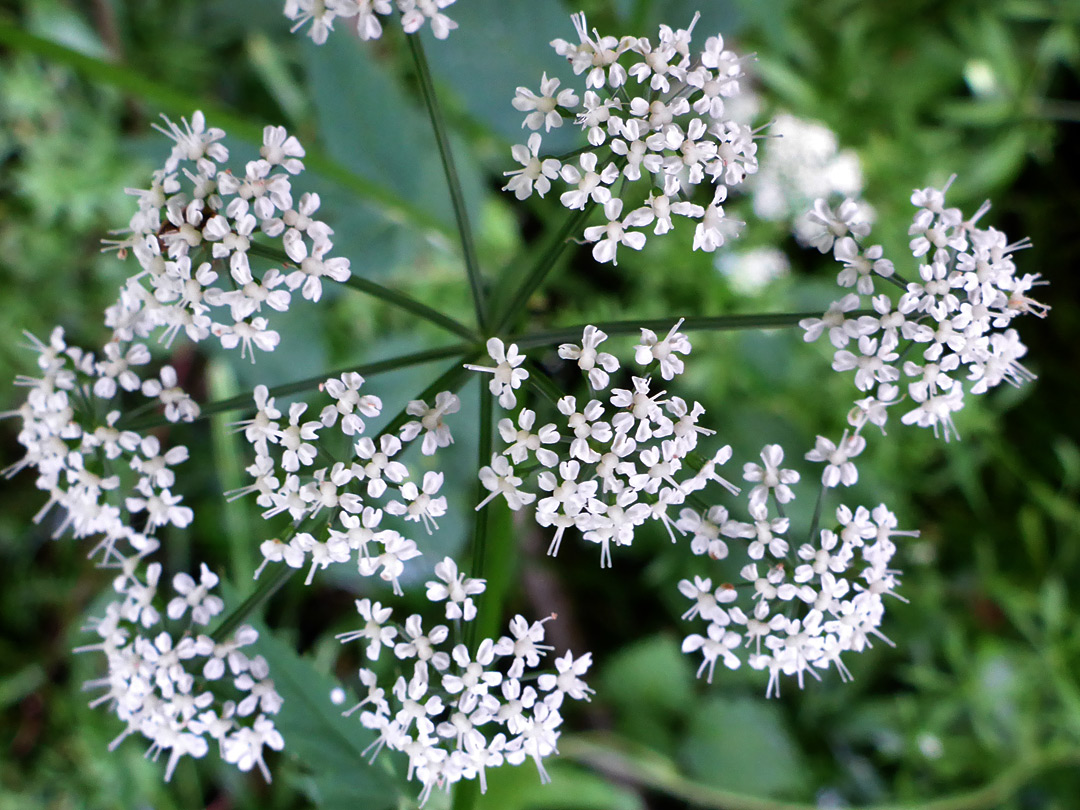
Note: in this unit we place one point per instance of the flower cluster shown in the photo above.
(801, 608)
(955, 318)
(652, 112)
(608, 468)
(364, 15)
(460, 711)
(106, 481)
(294, 472)
(625, 458)
(165, 680)
(194, 220)
(198, 220)
(115, 483)
(751, 271)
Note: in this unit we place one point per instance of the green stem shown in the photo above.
(226, 451)
(715, 323)
(539, 381)
(394, 297)
(538, 272)
(176, 102)
(612, 757)
(244, 401)
(895, 280)
(482, 525)
(403, 301)
(268, 586)
(817, 513)
(450, 380)
(453, 181)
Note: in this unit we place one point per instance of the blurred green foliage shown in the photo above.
(982, 686)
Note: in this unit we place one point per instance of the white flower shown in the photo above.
(499, 479)
(295, 439)
(597, 365)
(203, 605)
(860, 264)
(718, 643)
(250, 335)
(244, 748)
(770, 478)
(714, 227)
(436, 432)
(542, 110)
(568, 680)
(321, 14)
(376, 465)
(414, 13)
(536, 173)
(840, 469)
(508, 375)
(590, 183)
(313, 266)
(663, 351)
(834, 225)
(375, 628)
(456, 589)
(281, 149)
(419, 505)
(346, 390)
(521, 442)
(609, 237)
(154, 467)
(396, 551)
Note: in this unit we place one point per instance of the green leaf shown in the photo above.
(497, 47)
(653, 669)
(368, 123)
(330, 745)
(651, 685)
(1001, 162)
(571, 787)
(743, 744)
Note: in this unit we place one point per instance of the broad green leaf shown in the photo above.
(743, 744)
(651, 684)
(571, 788)
(497, 47)
(365, 119)
(654, 669)
(329, 745)
(368, 123)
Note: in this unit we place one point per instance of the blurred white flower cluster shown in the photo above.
(803, 163)
(652, 112)
(750, 272)
(363, 16)
(462, 709)
(955, 318)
